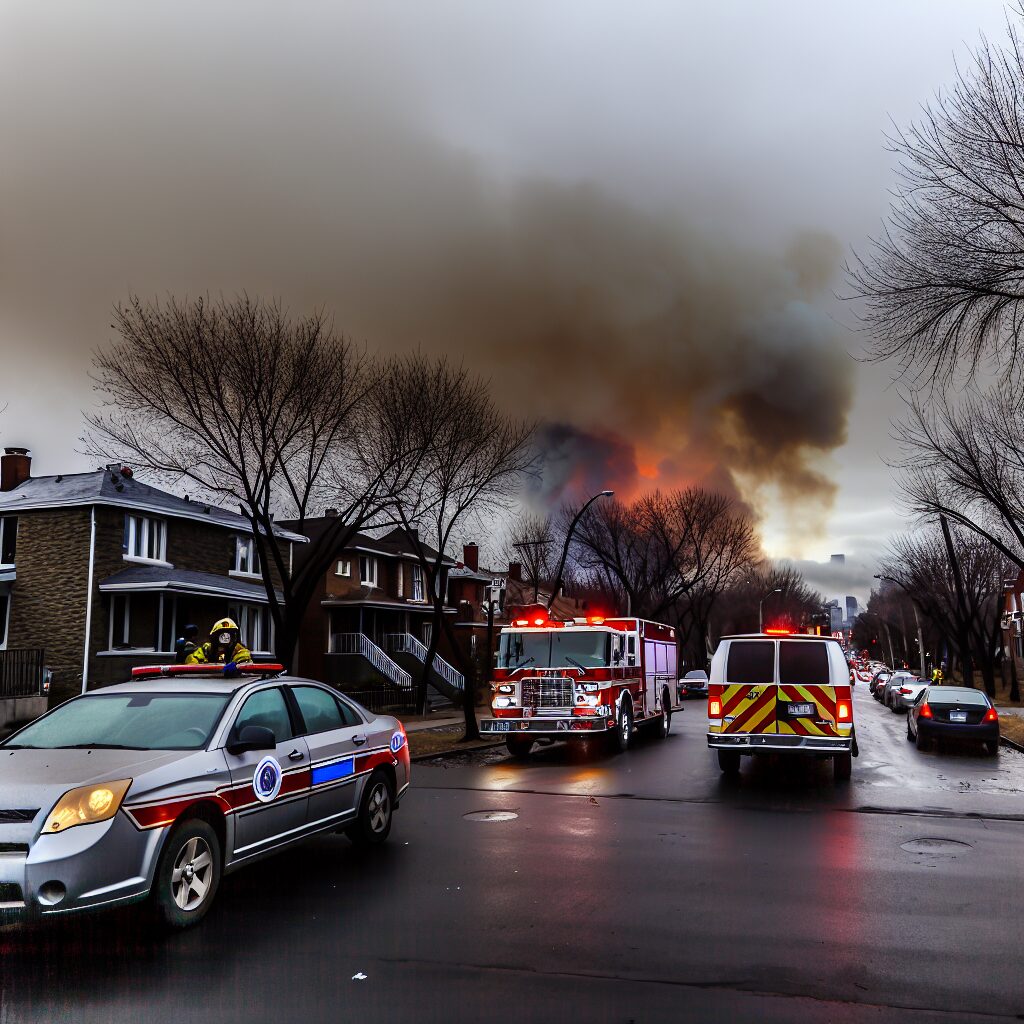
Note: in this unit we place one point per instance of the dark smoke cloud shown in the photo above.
(297, 162)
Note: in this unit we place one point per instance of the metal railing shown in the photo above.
(21, 672)
(406, 643)
(360, 643)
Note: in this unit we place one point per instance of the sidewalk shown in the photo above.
(416, 723)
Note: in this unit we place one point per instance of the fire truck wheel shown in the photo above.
(842, 765)
(624, 732)
(519, 749)
(729, 761)
(665, 722)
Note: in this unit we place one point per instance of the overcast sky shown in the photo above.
(630, 215)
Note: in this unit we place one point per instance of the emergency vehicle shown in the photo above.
(581, 678)
(777, 692)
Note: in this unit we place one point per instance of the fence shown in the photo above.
(21, 672)
(382, 698)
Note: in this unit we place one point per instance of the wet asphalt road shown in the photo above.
(637, 887)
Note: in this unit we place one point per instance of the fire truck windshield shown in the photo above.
(561, 648)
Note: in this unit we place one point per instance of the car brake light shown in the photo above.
(714, 708)
(925, 712)
(843, 711)
(991, 716)
(905, 689)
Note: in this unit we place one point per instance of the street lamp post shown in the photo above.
(760, 608)
(568, 538)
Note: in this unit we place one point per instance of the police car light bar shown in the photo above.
(245, 668)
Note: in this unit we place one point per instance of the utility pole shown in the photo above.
(760, 608)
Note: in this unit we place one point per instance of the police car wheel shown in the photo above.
(842, 766)
(520, 749)
(188, 874)
(375, 812)
(910, 735)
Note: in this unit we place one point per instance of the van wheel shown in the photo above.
(842, 766)
(188, 874)
(624, 732)
(376, 809)
(729, 761)
(520, 749)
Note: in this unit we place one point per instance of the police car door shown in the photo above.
(270, 787)
(335, 737)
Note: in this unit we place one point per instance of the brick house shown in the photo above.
(370, 622)
(103, 571)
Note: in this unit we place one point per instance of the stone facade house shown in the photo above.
(103, 571)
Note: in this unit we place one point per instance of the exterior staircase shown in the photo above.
(409, 652)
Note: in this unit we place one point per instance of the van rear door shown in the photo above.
(806, 700)
(748, 696)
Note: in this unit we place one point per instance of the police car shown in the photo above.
(155, 788)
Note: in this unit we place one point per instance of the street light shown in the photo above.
(565, 547)
(760, 608)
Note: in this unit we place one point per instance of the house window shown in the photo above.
(5, 614)
(255, 627)
(247, 558)
(343, 568)
(135, 622)
(417, 583)
(8, 539)
(368, 571)
(145, 538)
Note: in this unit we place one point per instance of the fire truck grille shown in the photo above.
(548, 692)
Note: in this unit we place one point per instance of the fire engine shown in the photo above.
(580, 679)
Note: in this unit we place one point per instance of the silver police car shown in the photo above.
(156, 787)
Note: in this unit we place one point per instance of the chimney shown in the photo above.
(471, 556)
(515, 572)
(330, 513)
(15, 468)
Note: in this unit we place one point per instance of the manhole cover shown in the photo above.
(490, 816)
(935, 846)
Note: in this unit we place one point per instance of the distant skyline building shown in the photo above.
(838, 560)
(851, 608)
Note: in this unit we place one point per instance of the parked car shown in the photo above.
(153, 789)
(895, 680)
(903, 696)
(694, 684)
(953, 713)
(878, 679)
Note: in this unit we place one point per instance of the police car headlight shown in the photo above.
(86, 805)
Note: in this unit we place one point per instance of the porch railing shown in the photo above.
(360, 643)
(406, 643)
(21, 672)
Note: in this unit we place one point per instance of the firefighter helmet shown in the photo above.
(222, 624)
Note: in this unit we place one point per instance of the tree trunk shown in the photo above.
(1014, 685)
(963, 618)
(469, 690)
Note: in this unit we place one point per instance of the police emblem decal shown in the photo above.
(266, 780)
(397, 742)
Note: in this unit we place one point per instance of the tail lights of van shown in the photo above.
(714, 707)
(843, 711)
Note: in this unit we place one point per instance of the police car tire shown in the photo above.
(910, 735)
(168, 912)
(518, 748)
(362, 833)
(920, 742)
(842, 766)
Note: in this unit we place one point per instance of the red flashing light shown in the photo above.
(778, 631)
(925, 711)
(246, 668)
(538, 622)
(522, 622)
(991, 715)
(843, 711)
(596, 620)
(714, 708)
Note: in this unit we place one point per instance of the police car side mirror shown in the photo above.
(252, 737)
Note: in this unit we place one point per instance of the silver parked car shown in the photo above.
(156, 787)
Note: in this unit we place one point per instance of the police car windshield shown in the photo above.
(555, 648)
(129, 721)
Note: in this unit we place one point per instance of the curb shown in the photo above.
(466, 749)
(1011, 744)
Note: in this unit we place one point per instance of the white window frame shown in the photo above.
(138, 530)
(246, 554)
(6, 523)
(253, 621)
(368, 578)
(344, 567)
(417, 590)
(127, 625)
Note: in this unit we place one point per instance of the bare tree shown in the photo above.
(943, 284)
(256, 409)
(470, 465)
(533, 544)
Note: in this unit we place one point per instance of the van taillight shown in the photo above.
(843, 711)
(714, 708)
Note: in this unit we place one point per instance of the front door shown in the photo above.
(270, 787)
(749, 693)
(335, 738)
(806, 701)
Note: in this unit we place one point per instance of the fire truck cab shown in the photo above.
(581, 678)
(772, 693)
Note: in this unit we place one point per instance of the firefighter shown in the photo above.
(223, 647)
(186, 644)
(937, 675)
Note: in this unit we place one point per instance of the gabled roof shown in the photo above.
(106, 487)
(395, 544)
